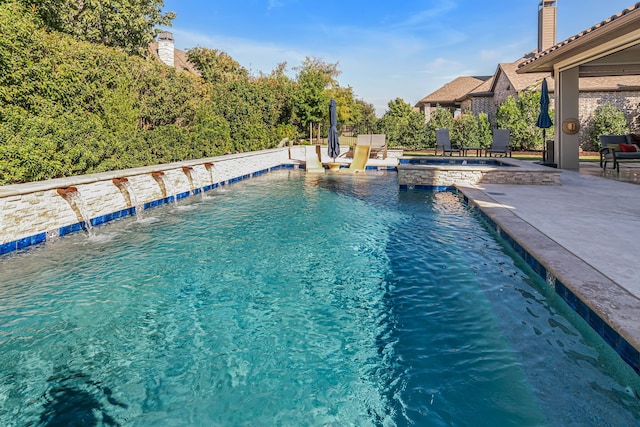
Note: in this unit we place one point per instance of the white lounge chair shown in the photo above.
(312, 158)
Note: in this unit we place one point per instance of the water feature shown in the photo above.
(210, 167)
(124, 184)
(165, 184)
(77, 203)
(295, 300)
(194, 182)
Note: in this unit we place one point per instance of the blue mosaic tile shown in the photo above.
(183, 195)
(5, 248)
(68, 229)
(31, 240)
(101, 219)
(629, 354)
(582, 309)
(428, 187)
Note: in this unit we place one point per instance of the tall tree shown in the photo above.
(128, 24)
(402, 125)
(519, 116)
(441, 118)
(217, 66)
(315, 80)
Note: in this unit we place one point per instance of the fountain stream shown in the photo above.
(165, 184)
(125, 186)
(77, 203)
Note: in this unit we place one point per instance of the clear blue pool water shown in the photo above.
(294, 301)
(444, 161)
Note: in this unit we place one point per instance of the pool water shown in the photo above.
(449, 161)
(297, 301)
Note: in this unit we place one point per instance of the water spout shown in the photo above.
(194, 183)
(210, 166)
(165, 186)
(77, 203)
(126, 189)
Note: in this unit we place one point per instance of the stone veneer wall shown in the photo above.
(626, 101)
(35, 212)
(445, 176)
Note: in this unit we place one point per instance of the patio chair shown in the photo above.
(501, 143)
(617, 148)
(443, 141)
(378, 145)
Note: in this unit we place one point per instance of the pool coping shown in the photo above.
(607, 307)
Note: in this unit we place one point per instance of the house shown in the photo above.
(621, 91)
(450, 95)
(164, 51)
(605, 55)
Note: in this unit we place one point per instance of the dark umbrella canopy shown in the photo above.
(544, 121)
(334, 145)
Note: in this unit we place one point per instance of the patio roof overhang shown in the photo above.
(610, 48)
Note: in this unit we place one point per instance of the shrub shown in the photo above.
(441, 118)
(607, 120)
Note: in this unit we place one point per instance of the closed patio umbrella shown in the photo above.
(334, 145)
(544, 121)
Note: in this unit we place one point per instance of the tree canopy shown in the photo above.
(69, 106)
(127, 24)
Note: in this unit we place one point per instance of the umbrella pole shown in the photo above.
(544, 145)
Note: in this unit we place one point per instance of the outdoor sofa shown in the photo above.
(618, 148)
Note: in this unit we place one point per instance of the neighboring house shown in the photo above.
(450, 95)
(504, 83)
(621, 91)
(164, 51)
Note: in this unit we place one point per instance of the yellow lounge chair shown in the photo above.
(360, 155)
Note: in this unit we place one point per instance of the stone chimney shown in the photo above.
(546, 24)
(166, 47)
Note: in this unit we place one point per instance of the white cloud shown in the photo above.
(274, 4)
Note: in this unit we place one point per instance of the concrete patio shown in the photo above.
(584, 233)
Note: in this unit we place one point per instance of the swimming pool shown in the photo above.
(289, 300)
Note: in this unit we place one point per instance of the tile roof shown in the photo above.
(572, 39)
(454, 90)
(521, 82)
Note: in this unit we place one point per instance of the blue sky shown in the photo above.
(385, 49)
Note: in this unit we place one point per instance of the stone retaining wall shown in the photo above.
(444, 176)
(35, 212)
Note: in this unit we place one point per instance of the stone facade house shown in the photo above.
(452, 95)
(621, 91)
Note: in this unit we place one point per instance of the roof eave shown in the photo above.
(612, 32)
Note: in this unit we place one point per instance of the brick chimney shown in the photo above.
(166, 47)
(546, 24)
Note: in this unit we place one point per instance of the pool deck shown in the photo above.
(586, 233)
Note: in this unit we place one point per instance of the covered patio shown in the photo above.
(609, 48)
